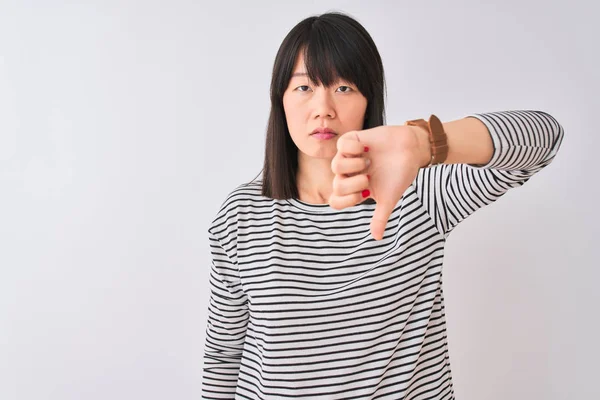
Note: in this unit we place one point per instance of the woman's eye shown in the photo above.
(306, 88)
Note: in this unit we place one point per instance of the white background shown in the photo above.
(124, 124)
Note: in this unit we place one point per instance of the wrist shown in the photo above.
(424, 146)
(437, 147)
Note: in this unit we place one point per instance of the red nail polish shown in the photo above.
(366, 149)
(366, 193)
(369, 177)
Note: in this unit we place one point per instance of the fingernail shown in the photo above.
(368, 162)
(366, 149)
(369, 177)
(366, 193)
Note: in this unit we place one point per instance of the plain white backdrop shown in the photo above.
(124, 124)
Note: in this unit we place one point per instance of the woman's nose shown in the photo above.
(323, 105)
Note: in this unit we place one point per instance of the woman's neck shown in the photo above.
(314, 179)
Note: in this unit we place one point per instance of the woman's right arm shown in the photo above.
(226, 328)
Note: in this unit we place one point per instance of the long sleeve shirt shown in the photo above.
(305, 304)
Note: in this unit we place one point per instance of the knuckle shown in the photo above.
(340, 143)
(335, 165)
(334, 202)
(364, 181)
(343, 166)
(336, 185)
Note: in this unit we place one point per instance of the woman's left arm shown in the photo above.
(476, 138)
(489, 153)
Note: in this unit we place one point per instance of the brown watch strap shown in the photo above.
(437, 138)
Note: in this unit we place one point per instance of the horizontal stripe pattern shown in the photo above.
(305, 304)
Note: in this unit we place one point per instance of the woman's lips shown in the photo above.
(323, 135)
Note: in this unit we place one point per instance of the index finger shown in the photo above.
(350, 146)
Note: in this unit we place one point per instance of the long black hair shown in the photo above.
(334, 45)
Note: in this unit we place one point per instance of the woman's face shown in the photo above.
(340, 107)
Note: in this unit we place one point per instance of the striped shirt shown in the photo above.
(306, 304)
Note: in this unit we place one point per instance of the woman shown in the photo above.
(326, 274)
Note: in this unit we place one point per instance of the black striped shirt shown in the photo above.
(305, 304)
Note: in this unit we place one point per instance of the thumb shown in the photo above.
(380, 218)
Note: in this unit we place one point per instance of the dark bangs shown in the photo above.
(331, 54)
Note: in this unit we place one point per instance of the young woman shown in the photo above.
(326, 278)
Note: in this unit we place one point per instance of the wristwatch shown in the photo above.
(437, 138)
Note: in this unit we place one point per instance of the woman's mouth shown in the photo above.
(323, 133)
(323, 136)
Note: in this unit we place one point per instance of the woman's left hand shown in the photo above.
(396, 153)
